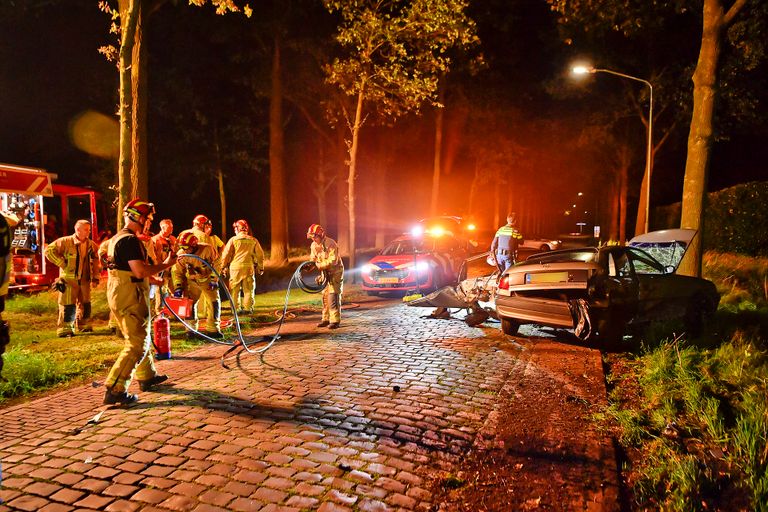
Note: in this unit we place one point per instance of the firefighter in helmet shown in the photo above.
(201, 226)
(242, 258)
(196, 279)
(128, 297)
(325, 254)
(77, 257)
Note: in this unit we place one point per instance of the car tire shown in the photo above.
(698, 310)
(509, 326)
(544, 248)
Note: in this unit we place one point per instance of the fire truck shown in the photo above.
(47, 210)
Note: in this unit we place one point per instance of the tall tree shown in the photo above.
(127, 23)
(394, 55)
(701, 136)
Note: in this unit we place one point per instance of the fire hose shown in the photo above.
(297, 279)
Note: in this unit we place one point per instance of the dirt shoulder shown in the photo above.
(540, 449)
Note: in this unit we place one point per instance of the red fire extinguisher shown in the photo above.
(162, 331)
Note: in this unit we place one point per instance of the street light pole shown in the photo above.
(581, 70)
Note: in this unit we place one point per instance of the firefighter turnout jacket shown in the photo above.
(326, 256)
(76, 259)
(243, 252)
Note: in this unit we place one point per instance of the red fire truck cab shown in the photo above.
(47, 211)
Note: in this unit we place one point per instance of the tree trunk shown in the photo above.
(277, 196)
(352, 173)
(381, 203)
(623, 188)
(473, 188)
(700, 135)
(496, 199)
(436, 162)
(129, 15)
(342, 206)
(220, 175)
(139, 79)
(321, 187)
(613, 220)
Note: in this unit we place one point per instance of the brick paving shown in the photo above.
(355, 419)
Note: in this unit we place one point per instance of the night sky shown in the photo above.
(51, 72)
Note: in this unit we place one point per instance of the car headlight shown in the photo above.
(367, 269)
(422, 266)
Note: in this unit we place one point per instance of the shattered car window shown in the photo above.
(665, 253)
(644, 263)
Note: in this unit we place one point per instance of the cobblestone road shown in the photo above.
(354, 419)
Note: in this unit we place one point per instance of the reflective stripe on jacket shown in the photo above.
(326, 255)
(242, 252)
(507, 239)
(65, 253)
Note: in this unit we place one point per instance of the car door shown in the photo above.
(622, 285)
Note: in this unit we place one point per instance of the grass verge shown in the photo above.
(692, 415)
(37, 361)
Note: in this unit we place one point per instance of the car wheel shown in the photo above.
(544, 248)
(509, 326)
(697, 312)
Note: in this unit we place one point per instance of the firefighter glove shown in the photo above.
(213, 285)
(59, 285)
(178, 292)
(260, 271)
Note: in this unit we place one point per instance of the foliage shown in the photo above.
(397, 50)
(694, 419)
(732, 215)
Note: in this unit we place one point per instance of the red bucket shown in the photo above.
(182, 307)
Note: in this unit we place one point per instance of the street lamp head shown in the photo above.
(582, 70)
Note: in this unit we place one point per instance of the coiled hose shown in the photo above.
(317, 285)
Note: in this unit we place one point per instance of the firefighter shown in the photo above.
(325, 254)
(103, 248)
(242, 257)
(128, 298)
(8, 222)
(78, 261)
(164, 243)
(505, 243)
(199, 225)
(196, 279)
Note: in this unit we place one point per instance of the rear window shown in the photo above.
(581, 255)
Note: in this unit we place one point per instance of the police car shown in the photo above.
(420, 262)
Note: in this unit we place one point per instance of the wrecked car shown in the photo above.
(600, 292)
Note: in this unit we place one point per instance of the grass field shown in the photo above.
(38, 361)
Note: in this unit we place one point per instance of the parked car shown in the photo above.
(599, 292)
(540, 244)
(409, 262)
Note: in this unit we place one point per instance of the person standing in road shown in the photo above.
(128, 298)
(8, 221)
(505, 243)
(79, 266)
(325, 254)
(243, 257)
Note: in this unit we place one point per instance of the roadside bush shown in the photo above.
(733, 217)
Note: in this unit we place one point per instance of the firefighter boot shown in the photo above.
(119, 398)
(147, 385)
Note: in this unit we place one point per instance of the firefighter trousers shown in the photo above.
(129, 302)
(74, 307)
(332, 296)
(207, 304)
(241, 279)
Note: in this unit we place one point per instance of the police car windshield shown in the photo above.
(409, 246)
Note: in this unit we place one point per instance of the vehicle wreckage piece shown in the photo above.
(475, 295)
